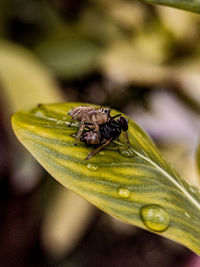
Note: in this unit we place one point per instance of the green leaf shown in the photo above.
(24, 80)
(69, 57)
(135, 185)
(190, 5)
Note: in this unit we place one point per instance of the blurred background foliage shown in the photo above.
(143, 60)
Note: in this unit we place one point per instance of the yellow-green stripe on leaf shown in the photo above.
(133, 184)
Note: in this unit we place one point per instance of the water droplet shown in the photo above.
(60, 122)
(139, 134)
(124, 192)
(194, 189)
(127, 152)
(155, 217)
(102, 153)
(92, 167)
(172, 166)
(40, 112)
(187, 214)
(165, 199)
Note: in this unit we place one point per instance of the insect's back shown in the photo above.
(78, 112)
(110, 129)
(90, 115)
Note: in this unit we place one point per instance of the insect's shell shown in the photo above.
(100, 116)
(78, 112)
(90, 138)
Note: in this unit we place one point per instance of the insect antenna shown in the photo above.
(115, 116)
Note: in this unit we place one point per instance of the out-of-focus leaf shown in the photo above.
(69, 57)
(129, 15)
(63, 225)
(180, 155)
(99, 27)
(24, 80)
(180, 23)
(139, 60)
(138, 63)
(190, 5)
(185, 78)
(133, 184)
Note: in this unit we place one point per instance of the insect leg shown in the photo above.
(125, 134)
(98, 149)
(80, 130)
(96, 126)
(107, 133)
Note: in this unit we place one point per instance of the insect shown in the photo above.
(108, 131)
(90, 117)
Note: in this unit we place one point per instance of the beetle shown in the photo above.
(108, 131)
(90, 117)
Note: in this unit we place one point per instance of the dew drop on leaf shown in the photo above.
(155, 217)
(187, 214)
(60, 122)
(39, 112)
(194, 189)
(126, 152)
(124, 192)
(92, 167)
